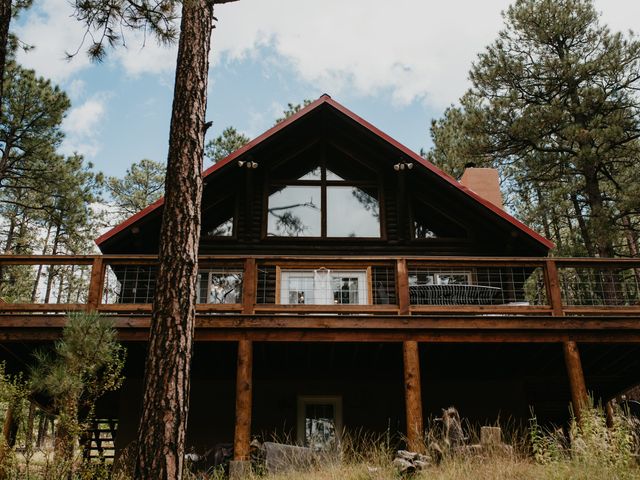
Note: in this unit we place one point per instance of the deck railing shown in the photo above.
(122, 284)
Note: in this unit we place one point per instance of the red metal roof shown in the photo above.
(326, 99)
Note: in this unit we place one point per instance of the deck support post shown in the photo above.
(240, 466)
(579, 395)
(244, 387)
(411, 362)
(413, 396)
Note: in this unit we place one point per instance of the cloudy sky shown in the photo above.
(396, 63)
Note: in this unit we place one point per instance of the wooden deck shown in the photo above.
(555, 313)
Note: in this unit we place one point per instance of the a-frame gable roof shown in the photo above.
(326, 100)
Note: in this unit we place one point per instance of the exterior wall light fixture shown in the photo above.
(402, 166)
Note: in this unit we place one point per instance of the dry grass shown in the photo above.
(591, 451)
(468, 469)
(594, 452)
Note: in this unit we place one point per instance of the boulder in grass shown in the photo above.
(279, 457)
(411, 462)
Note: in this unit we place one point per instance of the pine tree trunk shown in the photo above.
(161, 435)
(5, 22)
(52, 270)
(67, 435)
(599, 221)
(10, 234)
(582, 224)
(545, 219)
(60, 287)
(30, 421)
(42, 430)
(7, 245)
(36, 283)
(9, 434)
(632, 244)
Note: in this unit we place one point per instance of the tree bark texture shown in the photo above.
(162, 430)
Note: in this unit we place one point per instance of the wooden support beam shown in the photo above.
(244, 387)
(579, 395)
(413, 396)
(553, 287)
(96, 283)
(249, 286)
(402, 281)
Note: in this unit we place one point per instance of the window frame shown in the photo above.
(323, 183)
(282, 289)
(211, 270)
(304, 400)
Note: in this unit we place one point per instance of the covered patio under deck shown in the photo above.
(310, 392)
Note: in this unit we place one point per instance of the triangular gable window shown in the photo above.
(334, 176)
(225, 229)
(315, 174)
(428, 222)
(218, 219)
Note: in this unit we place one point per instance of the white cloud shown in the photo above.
(51, 30)
(412, 49)
(82, 126)
(75, 89)
(145, 55)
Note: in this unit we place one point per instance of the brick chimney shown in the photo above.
(484, 182)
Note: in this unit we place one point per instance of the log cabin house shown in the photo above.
(347, 283)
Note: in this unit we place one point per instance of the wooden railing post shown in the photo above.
(577, 384)
(554, 293)
(240, 466)
(96, 284)
(402, 282)
(249, 279)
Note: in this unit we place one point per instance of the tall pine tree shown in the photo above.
(162, 430)
(142, 184)
(554, 105)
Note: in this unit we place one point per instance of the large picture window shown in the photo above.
(294, 211)
(323, 203)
